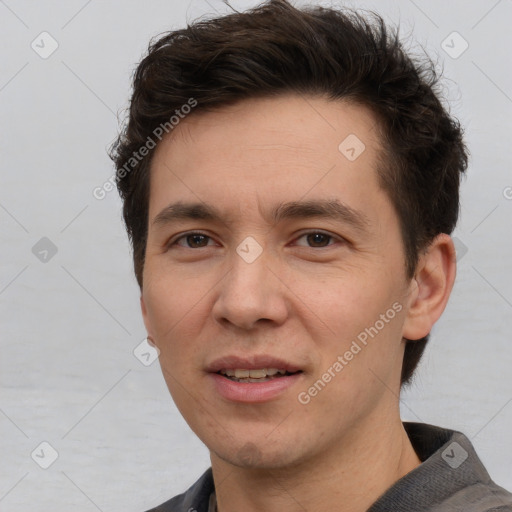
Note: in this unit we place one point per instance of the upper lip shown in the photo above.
(254, 362)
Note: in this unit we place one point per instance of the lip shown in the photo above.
(252, 392)
(255, 362)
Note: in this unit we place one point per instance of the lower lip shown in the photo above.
(253, 391)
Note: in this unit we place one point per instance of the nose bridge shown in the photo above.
(248, 280)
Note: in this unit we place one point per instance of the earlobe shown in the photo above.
(430, 287)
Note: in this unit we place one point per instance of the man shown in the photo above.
(290, 181)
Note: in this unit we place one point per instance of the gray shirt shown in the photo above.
(451, 478)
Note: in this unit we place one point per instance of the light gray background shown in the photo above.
(69, 325)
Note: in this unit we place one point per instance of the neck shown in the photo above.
(349, 478)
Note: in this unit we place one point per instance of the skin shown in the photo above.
(304, 299)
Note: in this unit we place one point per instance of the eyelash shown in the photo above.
(192, 233)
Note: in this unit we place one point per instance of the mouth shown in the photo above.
(255, 375)
(253, 378)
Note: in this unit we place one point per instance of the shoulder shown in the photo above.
(450, 478)
(194, 499)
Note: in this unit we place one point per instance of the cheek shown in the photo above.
(344, 301)
(171, 302)
(176, 314)
(358, 316)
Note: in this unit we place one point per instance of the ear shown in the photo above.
(145, 316)
(431, 287)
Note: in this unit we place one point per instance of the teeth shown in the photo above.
(253, 374)
(257, 374)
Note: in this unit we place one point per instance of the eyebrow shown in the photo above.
(327, 208)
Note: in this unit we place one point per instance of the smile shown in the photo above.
(255, 375)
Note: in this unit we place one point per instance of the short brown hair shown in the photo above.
(339, 54)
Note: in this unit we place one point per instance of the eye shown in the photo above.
(317, 239)
(193, 240)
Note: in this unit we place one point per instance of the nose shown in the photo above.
(251, 294)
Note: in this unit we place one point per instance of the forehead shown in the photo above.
(262, 152)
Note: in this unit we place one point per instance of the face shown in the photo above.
(283, 254)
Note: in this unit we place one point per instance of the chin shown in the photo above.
(252, 455)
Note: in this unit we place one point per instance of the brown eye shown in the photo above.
(318, 239)
(192, 241)
(197, 240)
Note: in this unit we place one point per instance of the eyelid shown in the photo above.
(321, 232)
(173, 241)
